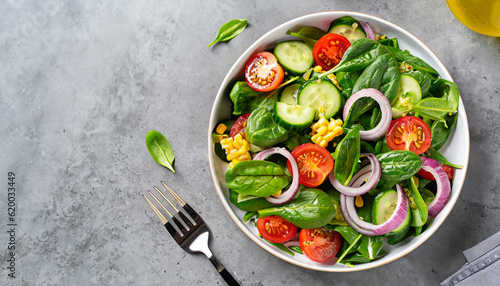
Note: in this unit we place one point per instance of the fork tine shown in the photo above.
(194, 218)
(156, 211)
(177, 229)
(176, 196)
(187, 223)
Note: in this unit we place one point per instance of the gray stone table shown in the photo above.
(82, 82)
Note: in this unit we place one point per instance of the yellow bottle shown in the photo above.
(482, 16)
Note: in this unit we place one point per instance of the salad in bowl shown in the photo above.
(332, 139)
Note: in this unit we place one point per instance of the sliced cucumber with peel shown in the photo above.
(384, 206)
(293, 116)
(408, 94)
(294, 56)
(348, 27)
(322, 95)
(289, 94)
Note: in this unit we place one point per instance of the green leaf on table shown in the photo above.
(230, 30)
(160, 149)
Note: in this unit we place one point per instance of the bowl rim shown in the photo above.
(221, 92)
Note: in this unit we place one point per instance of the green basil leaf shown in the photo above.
(230, 30)
(160, 149)
(257, 178)
(310, 35)
(399, 165)
(347, 156)
(311, 208)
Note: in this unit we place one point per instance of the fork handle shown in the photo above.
(223, 272)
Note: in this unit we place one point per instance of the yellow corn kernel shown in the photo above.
(316, 138)
(221, 128)
(322, 130)
(323, 143)
(359, 201)
(318, 69)
(329, 136)
(334, 80)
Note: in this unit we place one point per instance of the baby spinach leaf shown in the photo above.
(257, 178)
(230, 30)
(358, 56)
(160, 149)
(399, 165)
(347, 80)
(347, 156)
(244, 97)
(249, 215)
(262, 130)
(424, 79)
(448, 90)
(440, 132)
(433, 108)
(436, 155)
(417, 204)
(247, 202)
(415, 62)
(310, 35)
(370, 246)
(311, 208)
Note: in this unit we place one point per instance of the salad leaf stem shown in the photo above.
(349, 248)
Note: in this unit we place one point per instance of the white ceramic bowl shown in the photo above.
(456, 149)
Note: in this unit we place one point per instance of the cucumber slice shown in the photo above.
(289, 94)
(294, 56)
(322, 96)
(408, 94)
(348, 27)
(293, 116)
(383, 207)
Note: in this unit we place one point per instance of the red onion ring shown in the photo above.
(289, 194)
(369, 31)
(352, 218)
(443, 185)
(356, 189)
(385, 109)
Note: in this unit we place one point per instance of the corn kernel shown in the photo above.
(318, 69)
(221, 128)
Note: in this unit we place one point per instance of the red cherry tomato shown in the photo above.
(276, 229)
(263, 72)
(409, 133)
(320, 244)
(315, 164)
(329, 50)
(447, 169)
(239, 125)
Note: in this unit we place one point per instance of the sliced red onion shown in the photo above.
(352, 218)
(385, 109)
(372, 171)
(443, 185)
(369, 31)
(289, 194)
(291, 243)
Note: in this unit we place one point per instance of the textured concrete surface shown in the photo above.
(82, 82)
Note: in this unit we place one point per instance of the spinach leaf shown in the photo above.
(257, 178)
(310, 35)
(244, 98)
(399, 165)
(352, 237)
(249, 215)
(415, 62)
(311, 208)
(424, 79)
(370, 246)
(230, 30)
(440, 132)
(347, 156)
(347, 80)
(383, 74)
(262, 130)
(358, 56)
(247, 202)
(436, 155)
(160, 149)
(433, 108)
(417, 204)
(448, 90)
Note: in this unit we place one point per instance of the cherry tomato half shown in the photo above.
(409, 133)
(320, 244)
(276, 229)
(239, 125)
(263, 72)
(315, 164)
(329, 50)
(447, 169)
